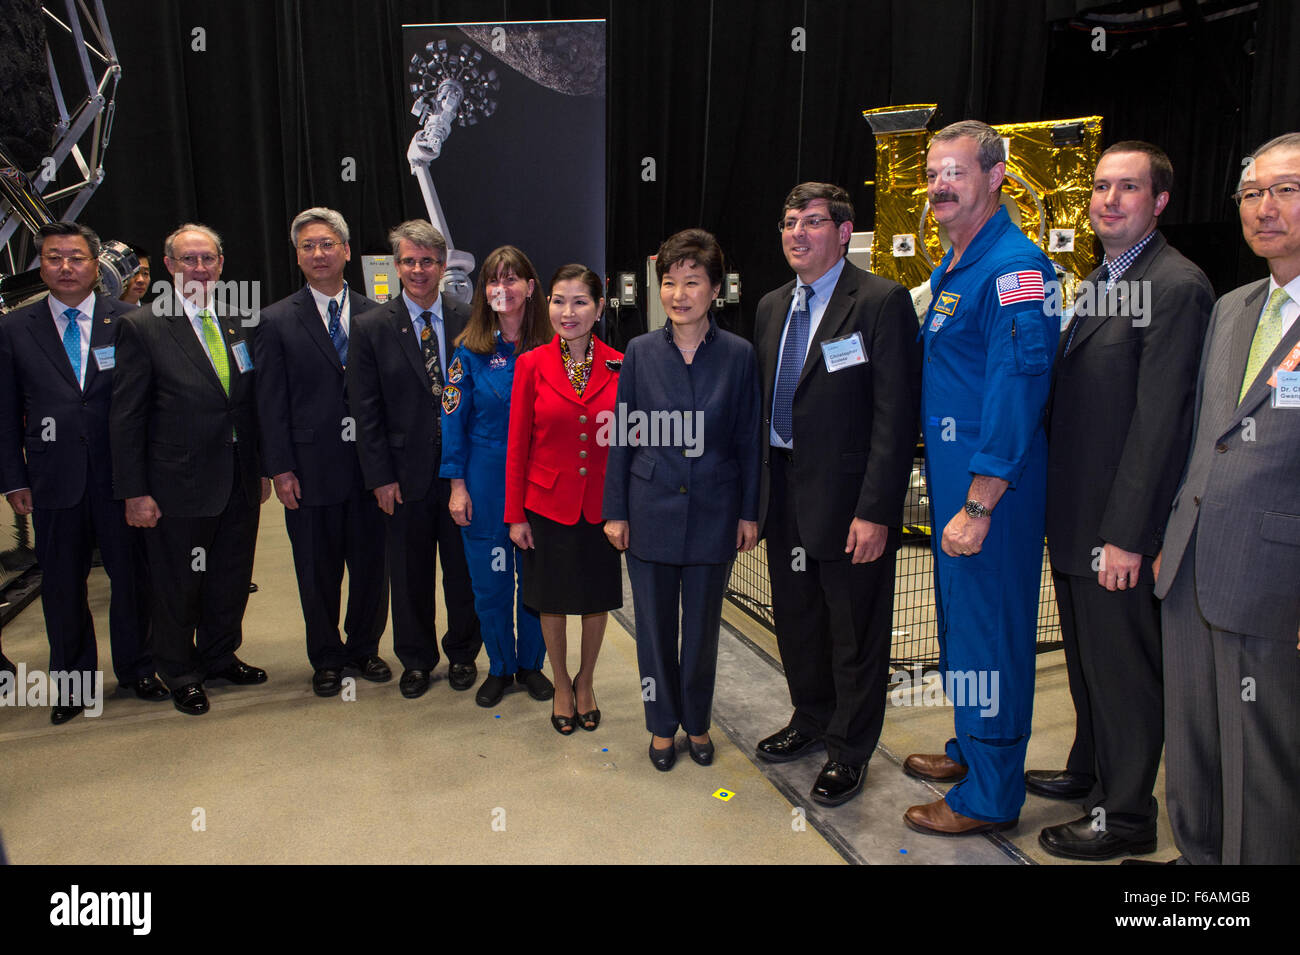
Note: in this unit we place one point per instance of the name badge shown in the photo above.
(1286, 393)
(104, 357)
(242, 358)
(844, 352)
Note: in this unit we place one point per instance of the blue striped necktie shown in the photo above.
(337, 335)
(792, 359)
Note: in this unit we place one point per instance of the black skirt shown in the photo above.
(572, 568)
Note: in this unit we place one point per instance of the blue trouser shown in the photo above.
(493, 564)
(988, 613)
(677, 691)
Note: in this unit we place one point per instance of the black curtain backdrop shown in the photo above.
(257, 126)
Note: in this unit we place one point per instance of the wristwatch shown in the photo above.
(976, 509)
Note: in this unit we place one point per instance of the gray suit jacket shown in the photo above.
(1241, 491)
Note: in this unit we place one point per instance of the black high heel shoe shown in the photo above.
(591, 716)
(565, 725)
(663, 759)
(702, 753)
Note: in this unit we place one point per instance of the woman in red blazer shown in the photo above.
(555, 479)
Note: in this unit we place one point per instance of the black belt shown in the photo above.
(786, 453)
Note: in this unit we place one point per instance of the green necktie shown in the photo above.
(217, 349)
(1267, 334)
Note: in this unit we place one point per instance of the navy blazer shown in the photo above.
(302, 404)
(45, 413)
(682, 489)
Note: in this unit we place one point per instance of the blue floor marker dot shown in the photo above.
(497, 717)
(605, 750)
(902, 852)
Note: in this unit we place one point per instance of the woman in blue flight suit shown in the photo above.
(682, 503)
(507, 318)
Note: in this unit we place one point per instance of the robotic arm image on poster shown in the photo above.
(451, 89)
(507, 141)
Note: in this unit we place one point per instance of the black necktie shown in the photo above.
(429, 346)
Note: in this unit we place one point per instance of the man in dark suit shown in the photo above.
(396, 371)
(185, 458)
(1119, 425)
(1229, 573)
(56, 382)
(309, 449)
(841, 374)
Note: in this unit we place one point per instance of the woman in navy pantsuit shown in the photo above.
(681, 488)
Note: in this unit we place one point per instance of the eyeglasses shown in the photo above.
(325, 245)
(1280, 191)
(56, 260)
(811, 223)
(427, 262)
(207, 258)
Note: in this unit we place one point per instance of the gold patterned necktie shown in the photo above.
(216, 348)
(1267, 334)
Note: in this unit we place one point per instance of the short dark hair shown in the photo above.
(51, 229)
(691, 245)
(837, 199)
(1162, 170)
(988, 144)
(479, 335)
(567, 273)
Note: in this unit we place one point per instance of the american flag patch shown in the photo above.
(1020, 287)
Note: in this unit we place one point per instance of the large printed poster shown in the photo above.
(507, 139)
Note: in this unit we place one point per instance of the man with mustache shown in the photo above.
(989, 344)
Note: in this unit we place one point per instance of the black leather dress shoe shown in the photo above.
(61, 714)
(414, 683)
(1058, 784)
(374, 669)
(1079, 840)
(238, 673)
(702, 753)
(327, 682)
(190, 699)
(837, 783)
(493, 688)
(461, 676)
(539, 687)
(150, 688)
(787, 744)
(663, 759)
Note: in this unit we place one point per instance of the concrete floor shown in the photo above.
(273, 774)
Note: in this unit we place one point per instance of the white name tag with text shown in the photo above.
(242, 358)
(844, 352)
(1286, 393)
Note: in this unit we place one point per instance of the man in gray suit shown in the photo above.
(1229, 573)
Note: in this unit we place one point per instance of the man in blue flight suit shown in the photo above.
(989, 344)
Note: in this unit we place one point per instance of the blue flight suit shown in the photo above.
(475, 426)
(984, 388)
